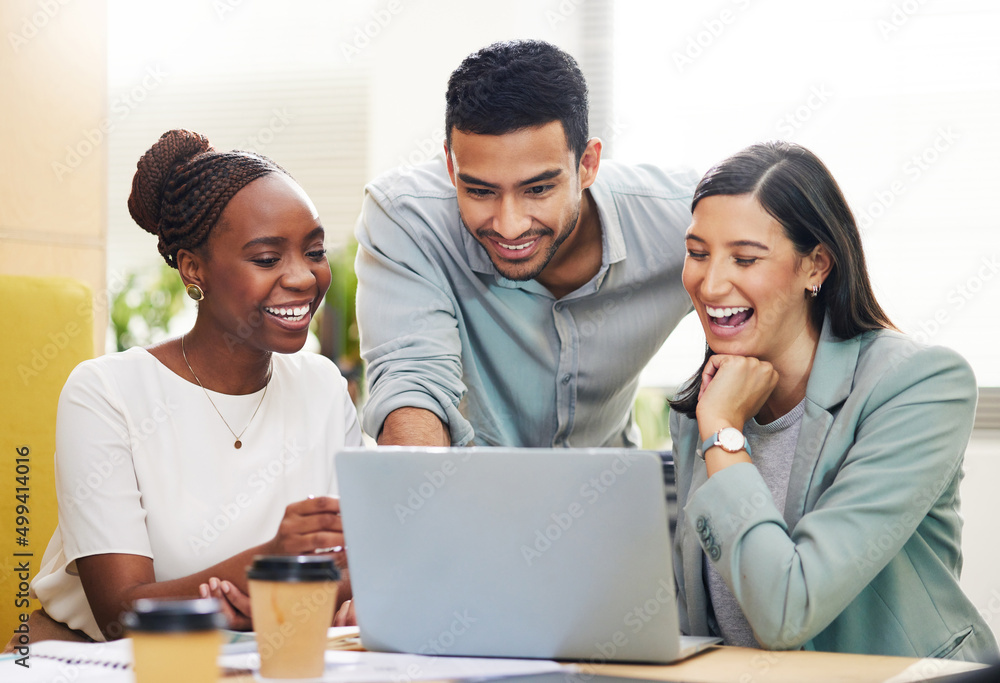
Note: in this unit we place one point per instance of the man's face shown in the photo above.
(519, 195)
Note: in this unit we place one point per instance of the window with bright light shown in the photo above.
(900, 98)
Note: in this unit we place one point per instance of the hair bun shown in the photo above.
(155, 167)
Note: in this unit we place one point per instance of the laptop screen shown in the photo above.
(549, 553)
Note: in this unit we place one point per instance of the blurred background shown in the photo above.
(901, 98)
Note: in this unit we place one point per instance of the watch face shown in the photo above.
(731, 439)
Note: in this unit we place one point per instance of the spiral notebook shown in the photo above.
(52, 660)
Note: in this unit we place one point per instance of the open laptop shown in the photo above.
(500, 552)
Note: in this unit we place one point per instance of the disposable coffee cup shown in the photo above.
(175, 640)
(292, 598)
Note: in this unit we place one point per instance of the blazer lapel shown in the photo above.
(694, 558)
(830, 382)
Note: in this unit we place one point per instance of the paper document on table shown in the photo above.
(337, 638)
(375, 667)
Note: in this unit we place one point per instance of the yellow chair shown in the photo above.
(48, 329)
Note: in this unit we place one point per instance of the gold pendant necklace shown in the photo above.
(238, 444)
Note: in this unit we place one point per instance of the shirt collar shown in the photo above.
(611, 227)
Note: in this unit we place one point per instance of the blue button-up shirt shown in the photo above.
(505, 362)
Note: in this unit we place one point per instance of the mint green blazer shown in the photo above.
(866, 555)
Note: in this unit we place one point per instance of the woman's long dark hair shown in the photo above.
(798, 191)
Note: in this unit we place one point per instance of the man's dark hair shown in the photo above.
(508, 86)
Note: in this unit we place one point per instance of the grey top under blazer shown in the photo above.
(866, 555)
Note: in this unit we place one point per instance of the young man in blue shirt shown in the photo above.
(508, 293)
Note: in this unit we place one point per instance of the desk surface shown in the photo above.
(744, 665)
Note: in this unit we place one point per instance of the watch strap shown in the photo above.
(714, 440)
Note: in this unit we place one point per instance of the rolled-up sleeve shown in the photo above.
(407, 320)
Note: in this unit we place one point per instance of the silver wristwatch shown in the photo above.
(728, 439)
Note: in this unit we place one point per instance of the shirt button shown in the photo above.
(559, 306)
(566, 379)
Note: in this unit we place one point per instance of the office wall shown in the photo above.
(410, 61)
(53, 156)
(980, 578)
(365, 77)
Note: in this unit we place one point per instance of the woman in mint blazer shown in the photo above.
(840, 531)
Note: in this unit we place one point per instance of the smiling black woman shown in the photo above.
(179, 462)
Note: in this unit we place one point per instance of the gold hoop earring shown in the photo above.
(195, 292)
